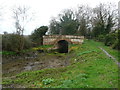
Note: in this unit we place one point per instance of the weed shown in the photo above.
(47, 81)
(92, 69)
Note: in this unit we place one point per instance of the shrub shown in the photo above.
(27, 43)
(14, 42)
(101, 38)
(10, 42)
(37, 35)
(110, 39)
(116, 44)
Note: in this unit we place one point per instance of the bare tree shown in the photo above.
(21, 16)
(83, 15)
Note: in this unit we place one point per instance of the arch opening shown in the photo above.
(63, 46)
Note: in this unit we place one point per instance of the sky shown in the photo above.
(43, 11)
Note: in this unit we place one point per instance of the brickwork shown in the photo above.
(53, 39)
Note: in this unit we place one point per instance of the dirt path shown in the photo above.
(110, 56)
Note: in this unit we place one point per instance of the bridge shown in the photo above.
(54, 39)
(61, 42)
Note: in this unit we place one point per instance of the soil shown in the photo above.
(43, 60)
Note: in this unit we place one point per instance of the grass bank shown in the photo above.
(89, 68)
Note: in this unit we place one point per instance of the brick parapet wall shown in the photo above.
(52, 39)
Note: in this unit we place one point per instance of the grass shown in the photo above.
(45, 47)
(90, 68)
(8, 53)
(113, 52)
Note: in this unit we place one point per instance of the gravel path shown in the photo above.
(110, 56)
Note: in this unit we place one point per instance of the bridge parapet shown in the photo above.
(52, 39)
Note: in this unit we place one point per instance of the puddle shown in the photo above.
(30, 66)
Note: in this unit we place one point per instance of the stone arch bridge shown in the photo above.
(54, 39)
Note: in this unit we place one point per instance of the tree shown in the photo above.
(21, 16)
(103, 19)
(83, 16)
(65, 25)
(54, 27)
(68, 22)
(36, 36)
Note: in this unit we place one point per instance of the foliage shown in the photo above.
(101, 38)
(66, 25)
(86, 21)
(91, 70)
(116, 44)
(44, 48)
(104, 20)
(27, 43)
(36, 36)
(69, 28)
(7, 53)
(54, 27)
(110, 39)
(47, 81)
(12, 42)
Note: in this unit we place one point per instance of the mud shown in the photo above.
(42, 61)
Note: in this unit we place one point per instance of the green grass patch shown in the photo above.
(89, 68)
(42, 47)
(8, 53)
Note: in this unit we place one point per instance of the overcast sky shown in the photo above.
(44, 10)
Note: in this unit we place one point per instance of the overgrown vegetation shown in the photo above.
(111, 39)
(89, 68)
(17, 43)
(37, 35)
(12, 42)
(97, 23)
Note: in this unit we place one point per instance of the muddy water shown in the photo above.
(42, 61)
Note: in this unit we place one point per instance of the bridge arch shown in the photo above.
(68, 40)
(63, 46)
